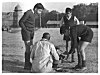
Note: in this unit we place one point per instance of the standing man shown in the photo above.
(27, 23)
(69, 20)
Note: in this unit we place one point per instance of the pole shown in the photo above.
(57, 19)
(40, 20)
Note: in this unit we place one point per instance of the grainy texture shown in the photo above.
(13, 51)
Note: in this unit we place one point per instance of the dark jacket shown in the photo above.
(27, 22)
(82, 31)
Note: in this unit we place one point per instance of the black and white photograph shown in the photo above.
(49, 36)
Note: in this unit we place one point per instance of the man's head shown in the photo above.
(68, 12)
(46, 36)
(38, 8)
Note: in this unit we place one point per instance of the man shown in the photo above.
(43, 55)
(27, 23)
(86, 35)
(69, 20)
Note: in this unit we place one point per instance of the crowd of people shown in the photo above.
(43, 56)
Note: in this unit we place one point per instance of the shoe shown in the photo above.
(72, 61)
(77, 67)
(28, 66)
(83, 68)
(58, 69)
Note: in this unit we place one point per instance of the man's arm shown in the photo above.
(23, 19)
(74, 44)
(76, 21)
(62, 27)
(54, 53)
(61, 21)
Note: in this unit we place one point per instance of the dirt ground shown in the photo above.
(13, 51)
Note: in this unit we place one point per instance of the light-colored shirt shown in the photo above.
(41, 55)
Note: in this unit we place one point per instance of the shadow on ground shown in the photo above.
(13, 66)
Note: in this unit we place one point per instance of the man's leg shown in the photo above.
(72, 57)
(66, 52)
(79, 64)
(31, 43)
(67, 46)
(31, 39)
(27, 55)
(26, 38)
(81, 55)
(83, 46)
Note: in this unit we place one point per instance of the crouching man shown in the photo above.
(43, 55)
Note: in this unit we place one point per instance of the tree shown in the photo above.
(80, 11)
(93, 12)
(86, 12)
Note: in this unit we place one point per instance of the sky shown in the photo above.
(49, 5)
(59, 6)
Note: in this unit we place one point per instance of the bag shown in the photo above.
(62, 29)
(66, 33)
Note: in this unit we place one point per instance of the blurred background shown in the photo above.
(51, 16)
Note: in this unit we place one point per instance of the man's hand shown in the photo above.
(61, 56)
(30, 29)
(61, 33)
